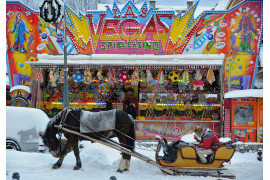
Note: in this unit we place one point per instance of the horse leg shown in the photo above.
(77, 155)
(124, 163)
(63, 154)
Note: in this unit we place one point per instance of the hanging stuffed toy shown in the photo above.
(55, 78)
(198, 83)
(111, 77)
(51, 72)
(39, 77)
(185, 79)
(149, 75)
(124, 77)
(77, 77)
(142, 76)
(135, 78)
(150, 79)
(160, 77)
(99, 75)
(61, 76)
(87, 78)
(210, 76)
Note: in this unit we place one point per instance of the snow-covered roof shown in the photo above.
(21, 87)
(222, 5)
(244, 93)
(125, 59)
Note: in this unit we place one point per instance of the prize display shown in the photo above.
(185, 94)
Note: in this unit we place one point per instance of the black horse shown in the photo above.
(70, 118)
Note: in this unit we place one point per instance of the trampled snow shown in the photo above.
(100, 163)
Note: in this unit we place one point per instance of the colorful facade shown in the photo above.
(236, 33)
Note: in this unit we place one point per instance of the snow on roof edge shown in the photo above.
(244, 93)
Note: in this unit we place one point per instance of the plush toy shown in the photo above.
(111, 77)
(156, 87)
(55, 79)
(123, 77)
(157, 98)
(142, 76)
(51, 72)
(99, 75)
(92, 89)
(87, 78)
(135, 77)
(198, 83)
(143, 87)
(169, 87)
(182, 86)
(187, 99)
(61, 78)
(162, 88)
(171, 98)
(149, 75)
(151, 98)
(202, 99)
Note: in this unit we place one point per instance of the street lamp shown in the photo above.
(53, 11)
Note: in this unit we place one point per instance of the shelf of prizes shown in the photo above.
(167, 101)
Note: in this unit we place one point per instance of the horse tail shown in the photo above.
(131, 134)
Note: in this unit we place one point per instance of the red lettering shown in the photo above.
(95, 34)
(115, 12)
(125, 31)
(150, 28)
(144, 13)
(131, 13)
(110, 33)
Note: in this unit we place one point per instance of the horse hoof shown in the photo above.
(125, 170)
(77, 167)
(56, 166)
(119, 170)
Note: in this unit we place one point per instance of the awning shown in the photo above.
(126, 61)
(245, 93)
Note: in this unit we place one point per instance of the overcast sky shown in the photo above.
(210, 3)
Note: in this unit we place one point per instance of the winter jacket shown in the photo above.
(209, 140)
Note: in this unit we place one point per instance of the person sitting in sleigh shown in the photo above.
(208, 143)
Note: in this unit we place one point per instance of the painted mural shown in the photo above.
(131, 30)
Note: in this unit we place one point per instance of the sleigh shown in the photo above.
(187, 162)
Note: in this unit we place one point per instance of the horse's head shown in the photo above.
(50, 137)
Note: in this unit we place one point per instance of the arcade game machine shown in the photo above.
(260, 120)
(244, 119)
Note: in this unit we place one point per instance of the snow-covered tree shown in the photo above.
(82, 5)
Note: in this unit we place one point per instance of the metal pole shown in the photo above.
(66, 88)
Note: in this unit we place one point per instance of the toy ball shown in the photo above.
(44, 36)
(173, 76)
(77, 77)
(210, 36)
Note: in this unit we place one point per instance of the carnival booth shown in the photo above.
(246, 115)
(170, 94)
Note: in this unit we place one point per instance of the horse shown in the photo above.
(124, 130)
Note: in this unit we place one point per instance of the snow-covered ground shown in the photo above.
(100, 163)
